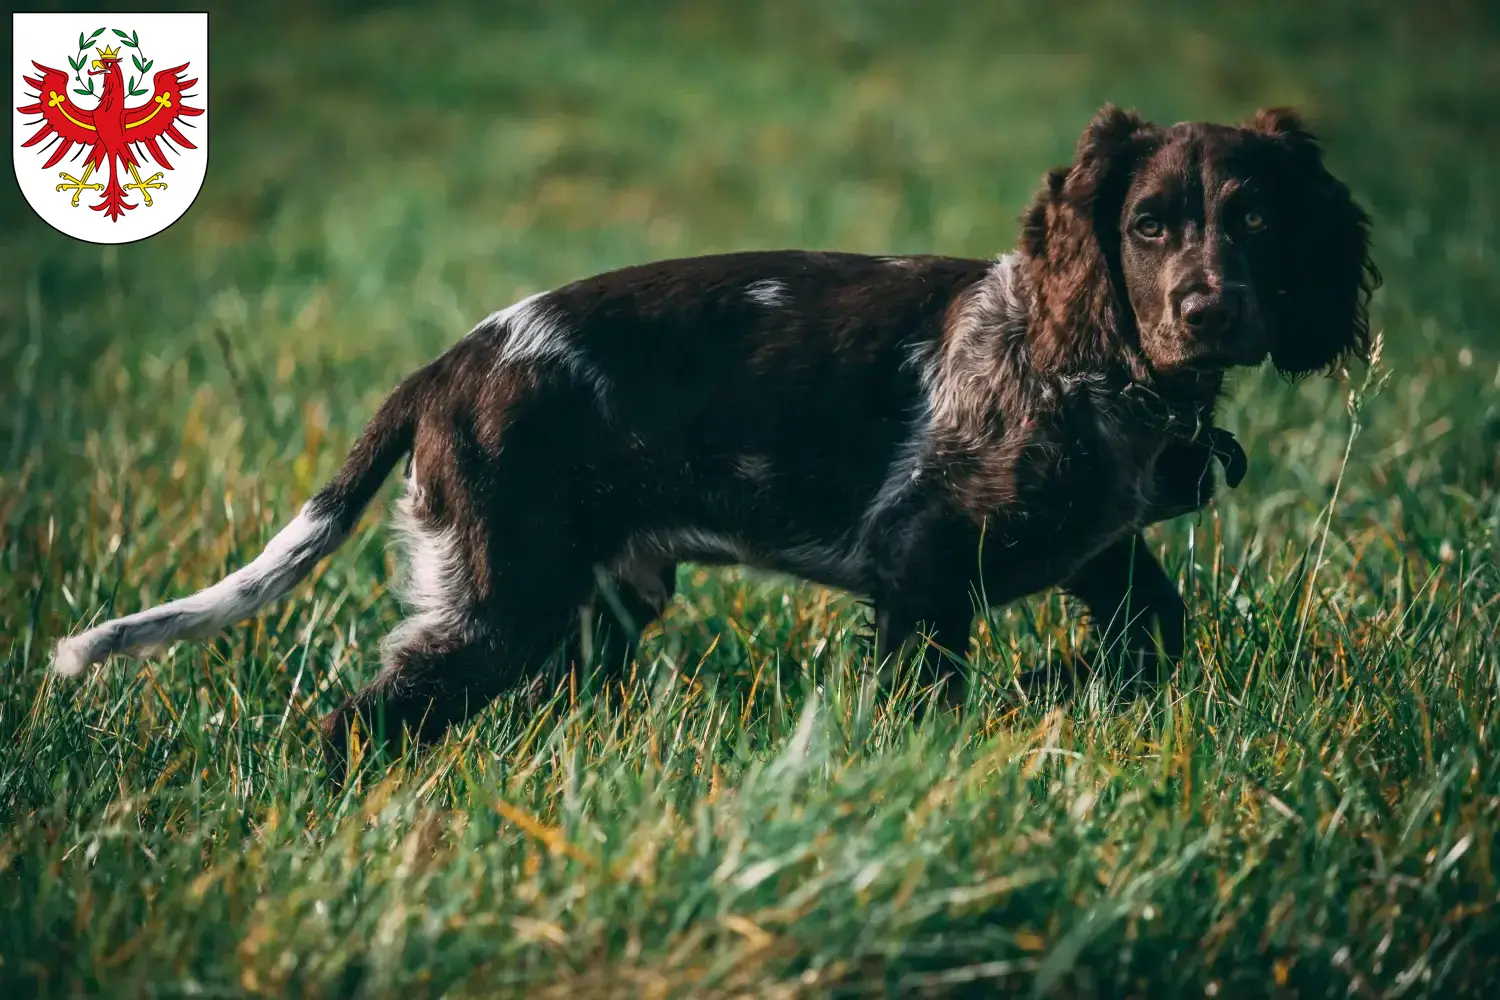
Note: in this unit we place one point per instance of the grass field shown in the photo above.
(1310, 810)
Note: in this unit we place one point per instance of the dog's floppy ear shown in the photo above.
(1071, 238)
(1323, 314)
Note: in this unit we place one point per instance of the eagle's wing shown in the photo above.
(60, 116)
(158, 117)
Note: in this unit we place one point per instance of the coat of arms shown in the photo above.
(122, 130)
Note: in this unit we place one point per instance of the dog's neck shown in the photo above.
(989, 352)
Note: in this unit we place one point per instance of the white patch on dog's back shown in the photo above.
(767, 292)
(530, 333)
(533, 333)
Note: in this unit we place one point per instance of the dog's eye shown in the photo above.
(1150, 227)
(1254, 221)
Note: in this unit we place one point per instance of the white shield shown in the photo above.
(110, 113)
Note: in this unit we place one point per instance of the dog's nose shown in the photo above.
(1206, 311)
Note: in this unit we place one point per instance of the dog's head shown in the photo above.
(1196, 248)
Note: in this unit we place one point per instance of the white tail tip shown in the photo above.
(286, 560)
(74, 655)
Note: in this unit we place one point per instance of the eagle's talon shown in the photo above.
(78, 185)
(145, 186)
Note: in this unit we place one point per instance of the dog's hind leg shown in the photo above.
(628, 597)
(430, 681)
(489, 610)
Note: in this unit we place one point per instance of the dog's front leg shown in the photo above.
(936, 632)
(1135, 608)
(1184, 475)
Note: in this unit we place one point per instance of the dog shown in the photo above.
(913, 429)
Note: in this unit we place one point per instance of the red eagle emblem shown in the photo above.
(111, 133)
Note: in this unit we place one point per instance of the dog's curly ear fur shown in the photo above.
(1323, 317)
(1071, 238)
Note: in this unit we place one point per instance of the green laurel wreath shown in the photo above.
(132, 40)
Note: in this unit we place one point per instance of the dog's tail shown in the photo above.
(319, 528)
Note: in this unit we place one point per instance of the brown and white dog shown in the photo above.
(912, 429)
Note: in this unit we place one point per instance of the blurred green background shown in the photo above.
(383, 176)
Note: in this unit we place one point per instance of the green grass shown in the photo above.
(1311, 809)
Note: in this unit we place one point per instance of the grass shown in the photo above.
(1311, 809)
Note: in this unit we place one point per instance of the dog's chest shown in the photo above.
(1120, 462)
(1058, 489)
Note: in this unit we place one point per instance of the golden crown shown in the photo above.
(108, 53)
